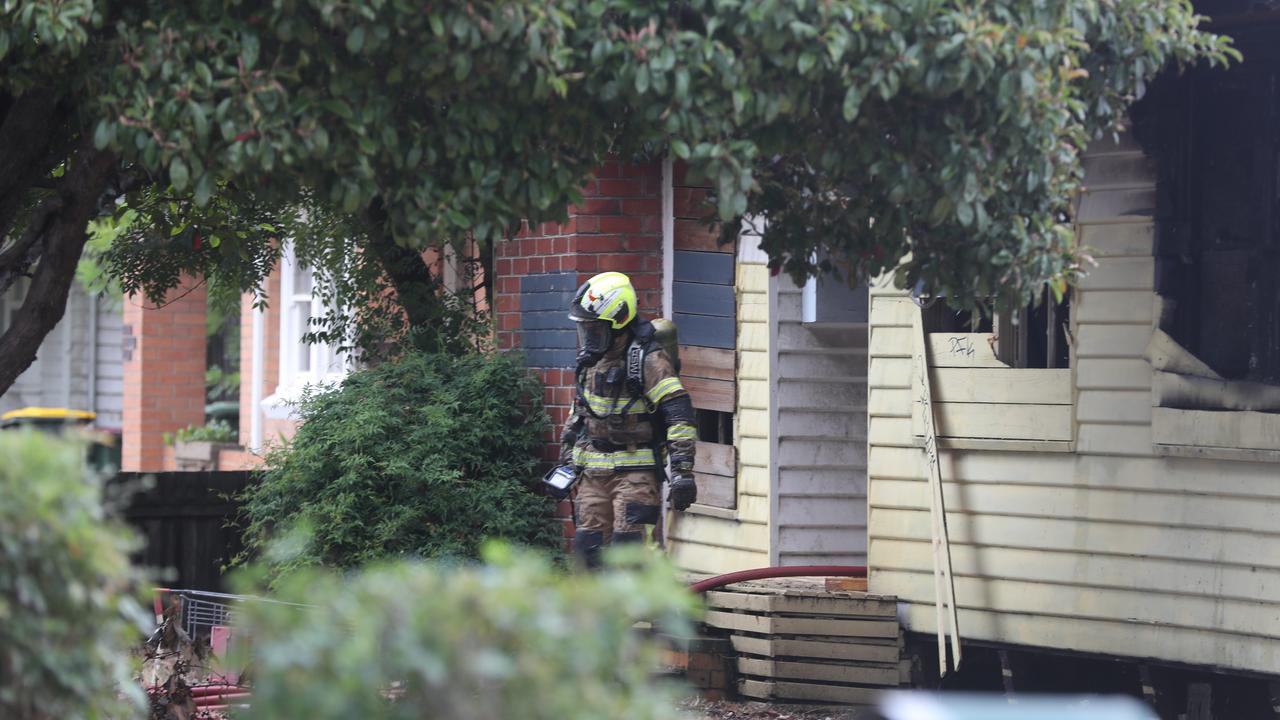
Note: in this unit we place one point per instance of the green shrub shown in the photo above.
(218, 431)
(66, 617)
(516, 638)
(426, 455)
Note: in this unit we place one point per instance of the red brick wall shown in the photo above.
(163, 373)
(618, 227)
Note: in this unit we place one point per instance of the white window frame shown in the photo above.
(325, 365)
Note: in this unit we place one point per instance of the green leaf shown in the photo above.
(249, 49)
(204, 190)
(852, 103)
(355, 40)
(338, 107)
(178, 173)
(200, 119)
(642, 79)
(680, 148)
(102, 134)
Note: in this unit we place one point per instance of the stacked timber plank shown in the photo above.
(796, 641)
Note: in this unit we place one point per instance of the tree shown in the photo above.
(860, 130)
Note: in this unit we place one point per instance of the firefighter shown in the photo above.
(630, 410)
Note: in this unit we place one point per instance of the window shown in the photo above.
(1220, 255)
(1215, 354)
(302, 364)
(715, 426)
(1035, 336)
(1000, 382)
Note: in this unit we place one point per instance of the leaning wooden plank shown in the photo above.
(943, 580)
(738, 621)
(857, 607)
(818, 649)
(833, 626)
(825, 693)
(820, 672)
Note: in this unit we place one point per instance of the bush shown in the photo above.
(218, 431)
(517, 638)
(427, 455)
(66, 617)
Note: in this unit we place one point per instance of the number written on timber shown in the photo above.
(961, 345)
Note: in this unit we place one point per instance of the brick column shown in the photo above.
(617, 227)
(164, 364)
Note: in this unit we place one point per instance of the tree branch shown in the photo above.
(32, 127)
(88, 173)
(17, 257)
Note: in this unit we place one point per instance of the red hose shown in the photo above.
(859, 571)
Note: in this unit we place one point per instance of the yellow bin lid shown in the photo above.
(43, 413)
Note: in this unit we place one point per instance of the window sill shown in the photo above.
(712, 511)
(280, 404)
(1216, 434)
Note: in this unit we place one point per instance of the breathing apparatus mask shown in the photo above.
(594, 339)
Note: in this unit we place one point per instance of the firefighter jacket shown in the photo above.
(620, 423)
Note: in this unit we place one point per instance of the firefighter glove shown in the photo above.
(683, 491)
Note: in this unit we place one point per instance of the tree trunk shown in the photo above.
(417, 289)
(63, 240)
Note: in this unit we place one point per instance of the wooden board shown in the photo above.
(998, 421)
(821, 672)
(971, 350)
(846, 584)
(703, 299)
(834, 605)
(801, 625)
(706, 330)
(720, 491)
(862, 651)
(709, 394)
(704, 267)
(1019, 386)
(705, 362)
(767, 690)
(1202, 428)
(692, 234)
(716, 459)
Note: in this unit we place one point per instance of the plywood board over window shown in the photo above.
(982, 403)
(704, 305)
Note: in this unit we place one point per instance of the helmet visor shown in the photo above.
(594, 336)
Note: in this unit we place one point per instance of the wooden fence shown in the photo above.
(185, 520)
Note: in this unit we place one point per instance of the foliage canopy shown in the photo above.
(425, 456)
(859, 132)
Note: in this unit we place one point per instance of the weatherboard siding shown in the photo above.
(821, 511)
(1107, 548)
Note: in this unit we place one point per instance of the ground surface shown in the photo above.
(725, 710)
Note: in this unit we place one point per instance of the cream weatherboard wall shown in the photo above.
(1098, 544)
(718, 540)
(820, 371)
